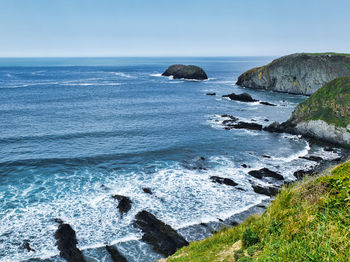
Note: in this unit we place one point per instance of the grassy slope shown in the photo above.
(330, 103)
(308, 221)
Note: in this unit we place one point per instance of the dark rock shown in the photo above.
(275, 127)
(266, 120)
(124, 203)
(186, 72)
(164, 239)
(329, 149)
(265, 190)
(27, 246)
(230, 121)
(265, 172)
(234, 223)
(222, 180)
(211, 94)
(244, 166)
(244, 97)
(302, 173)
(229, 116)
(245, 125)
(312, 158)
(267, 104)
(266, 156)
(67, 244)
(147, 190)
(115, 255)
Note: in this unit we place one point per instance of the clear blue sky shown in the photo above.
(172, 27)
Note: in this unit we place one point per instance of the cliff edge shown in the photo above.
(301, 73)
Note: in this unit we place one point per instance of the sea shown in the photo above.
(76, 131)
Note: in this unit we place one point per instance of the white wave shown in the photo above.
(295, 156)
(157, 75)
(122, 74)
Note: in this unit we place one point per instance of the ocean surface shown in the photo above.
(75, 131)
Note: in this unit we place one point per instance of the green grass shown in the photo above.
(330, 103)
(308, 221)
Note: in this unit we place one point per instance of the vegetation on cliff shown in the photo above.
(330, 103)
(308, 221)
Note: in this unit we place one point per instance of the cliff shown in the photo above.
(300, 73)
(308, 221)
(325, 115)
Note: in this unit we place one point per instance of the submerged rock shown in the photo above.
(26, 245)
(265, 172)
(267, 104)
(244, 97)
(186, 72)
(312, 158)
(222, 180)
(67, 244)
(164, 239)
(115, 254)
(297, 73)
(147, 190)
(211, 94)
(124, 203)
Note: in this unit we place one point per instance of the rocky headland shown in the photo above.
(324, 116)
(186, 72)
(300, 73)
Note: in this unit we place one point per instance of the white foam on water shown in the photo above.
(123, 74)
(157, 75)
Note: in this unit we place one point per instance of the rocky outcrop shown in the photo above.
(67, 244)
(297, 73)
(115, 254)
(265, 172)
(324, 116)
(223, 180)
(124, 203)
(245, 97)
(163, 238)
(186, 72)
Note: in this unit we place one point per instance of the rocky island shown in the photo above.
(186, 72)
(301, 73)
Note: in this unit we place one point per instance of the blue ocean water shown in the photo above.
(75, 131)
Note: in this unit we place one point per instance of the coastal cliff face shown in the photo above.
(297, 73)
(326, 114)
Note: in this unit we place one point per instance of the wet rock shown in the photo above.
(115, 255)
(302, 173)
(26, 245)
(266, 156)
(265, 190)
(229, 116)
(312, 158)
(245, 125)
(266, 120)
(211, 94)
(164, 239)
(58, 220)
(329, 149)
(244, 166)
(147, 190)
(244, 97)
(265, 172)
(230, 121)
(67, 244)
(222, 180)
(267, 104)
(186, 72)
(124, 203)
(275, 127)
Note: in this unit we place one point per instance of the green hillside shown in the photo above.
(308, 221)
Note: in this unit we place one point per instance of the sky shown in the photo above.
(106, 28)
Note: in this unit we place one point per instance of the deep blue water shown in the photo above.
(73, 132)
